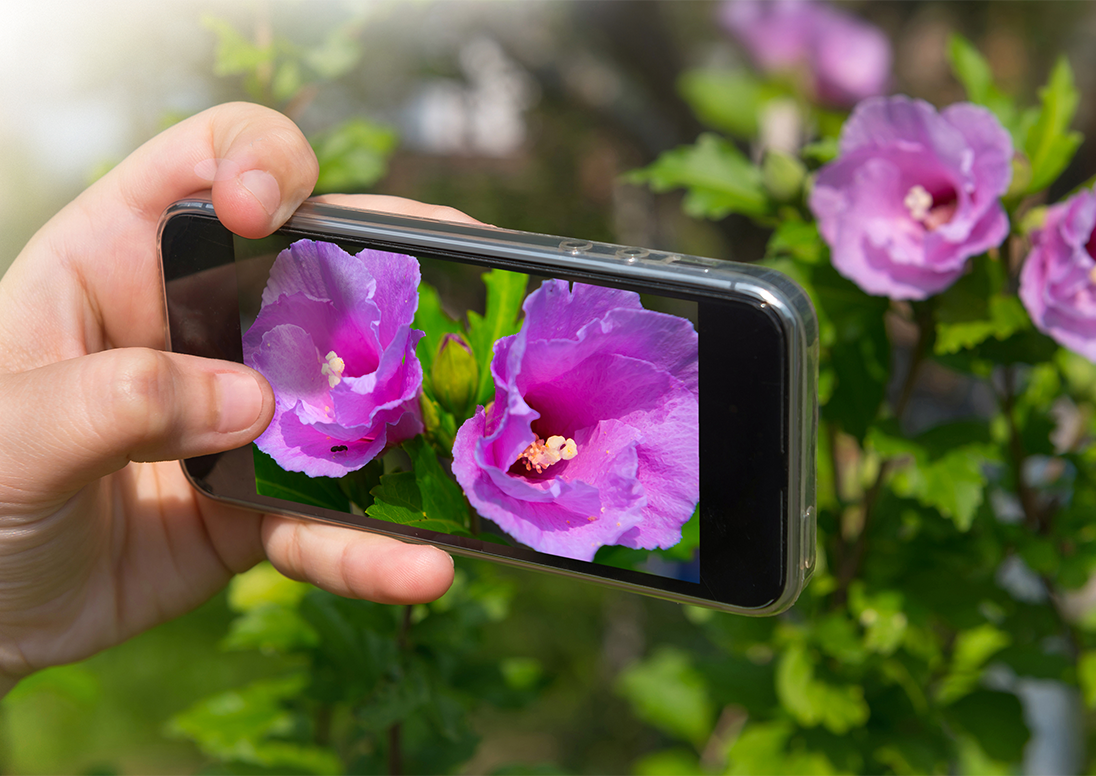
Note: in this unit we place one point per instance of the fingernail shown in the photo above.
(264, 188)
(240, 400)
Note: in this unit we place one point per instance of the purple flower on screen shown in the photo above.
(334, 338)
(1058, 280)
(845, 58)
(592, 438)
(913, 194)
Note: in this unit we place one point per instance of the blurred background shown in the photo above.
(523, 114)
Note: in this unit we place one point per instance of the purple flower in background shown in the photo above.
(334, 339)
(592, 438)
(846, 58)
(1058, 281)
(913, 194)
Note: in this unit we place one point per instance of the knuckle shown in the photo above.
(140, 393)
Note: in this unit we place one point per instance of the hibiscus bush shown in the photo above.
(954, 535)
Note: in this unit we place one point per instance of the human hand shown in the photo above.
(101, 536)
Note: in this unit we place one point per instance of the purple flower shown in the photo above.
(845, 58)
(334, 339)
(592, 438)
(1058, 281)
(913, 194)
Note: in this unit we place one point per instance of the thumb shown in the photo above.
(72, 422)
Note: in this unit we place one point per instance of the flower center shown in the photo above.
(926, 209)
(542, 454)
(332, 366)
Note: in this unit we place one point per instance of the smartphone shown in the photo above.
(636, 418)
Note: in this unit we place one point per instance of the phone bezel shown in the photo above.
(710, 282)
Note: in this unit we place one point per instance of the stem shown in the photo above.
(849, 566)
(395, 758)
(1033, 515)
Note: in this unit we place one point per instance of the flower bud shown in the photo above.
(454, 374)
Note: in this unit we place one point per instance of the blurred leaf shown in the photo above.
(668, 762)
(337, 55)
(727, 100)
(505, 293)
(1006, 317)
(75, 683)
(287, 80)
(394, 699)
(263, 584)
(763, 748)
(718, 178)
(236, 54)
(822, 151)
(666, 691)
(274, 481)
(270, 629)
(972, 70)
(352, 156)
(783, 175)
(812, 701)
(995, 720)
(522, 673)
(1048, 143)
(971, 651)
(1086, 677)
(881, 613)
(797, 239)
(241, 726)
(953, 482)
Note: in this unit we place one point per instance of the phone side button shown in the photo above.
(575, 247)
(808, 542)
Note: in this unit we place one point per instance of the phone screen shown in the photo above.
(522, 410)
(586, 422)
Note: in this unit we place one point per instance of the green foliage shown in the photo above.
(667, 692)
(505, 292)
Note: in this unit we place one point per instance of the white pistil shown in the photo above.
(332, 367)
(542, 454)
(919, 202)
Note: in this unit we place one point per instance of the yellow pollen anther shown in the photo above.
(542, 454)
(1092, 275)
(919, 202)
(332, 366)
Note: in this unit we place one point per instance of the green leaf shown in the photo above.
(337, 55)
(1048, 143)
(727, 100)
(236, 54)
(398, 500)
(881, 613)
(1006, 317)
(261, 585)
(505, 293)
(995, 720)
(442, 497)
(667, 692)
(270, 629)
(243, 726)
(1086, 677)
(972, 70)
(812, 701)
(274, 481)
(394, 699)
(287, 80)
(668, 762)
(353, 155)
(718, 178)
(798, 240)
(971, 651)
(763, 747)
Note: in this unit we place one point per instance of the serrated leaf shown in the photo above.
(812, 701)
(718, 178)
(398, 500)
(505, 293)
(1048, 143)
(1006, 316)
(667, 692)
(442, 497)
(274, 481)
(353, 155)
